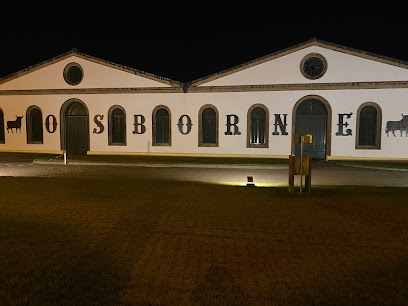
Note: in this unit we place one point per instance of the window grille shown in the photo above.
(118, 127)
(258, 126)
(313, 66)
(209, 126)
(77, 109)
(368, 126)
(1, 127)
(34, 125)
(73, 74)
(162, 126)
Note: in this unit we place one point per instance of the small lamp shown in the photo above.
(250, 181)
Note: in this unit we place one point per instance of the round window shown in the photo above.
(313, 66)
(73, 74)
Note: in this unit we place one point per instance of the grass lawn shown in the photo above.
(117, 242)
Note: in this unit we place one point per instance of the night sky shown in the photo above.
(187, 42)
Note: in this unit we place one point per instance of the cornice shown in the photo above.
(296, 87)
(90, 91)
(205, 89)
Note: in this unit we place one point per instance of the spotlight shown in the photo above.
(250, 181)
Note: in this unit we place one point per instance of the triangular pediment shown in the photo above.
(97, 73)
(343, 65)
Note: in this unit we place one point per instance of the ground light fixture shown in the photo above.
(250, 181)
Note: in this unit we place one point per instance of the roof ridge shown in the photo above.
(75, 51)
(305, 44)
(250, 63)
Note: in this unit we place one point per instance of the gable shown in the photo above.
(96, 74)
(343, 65)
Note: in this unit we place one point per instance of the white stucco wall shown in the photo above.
(341, 67)
(392, 102)
(95, 76)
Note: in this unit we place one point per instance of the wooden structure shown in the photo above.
(300, 165)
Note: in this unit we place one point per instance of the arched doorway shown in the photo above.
(74, 127)
(313, 116)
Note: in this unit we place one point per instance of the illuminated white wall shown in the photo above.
(95, 76)
(392, 102)
(342, 67)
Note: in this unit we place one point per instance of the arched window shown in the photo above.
(76, 108)
(2, 140)
(258, 127)
(161, 126)
(368, 131)
(34, 125)
(208, 126)
(117, 126)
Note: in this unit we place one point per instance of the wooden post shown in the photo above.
(308, 177)
(297, 163)
(291, 174)
(301, 161)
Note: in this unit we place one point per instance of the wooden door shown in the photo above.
(311, 118)
(76, 128)
(77, 138)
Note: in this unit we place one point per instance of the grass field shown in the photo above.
(125, 242)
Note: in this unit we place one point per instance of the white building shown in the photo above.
(352, 102)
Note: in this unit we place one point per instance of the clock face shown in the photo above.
(313, 66)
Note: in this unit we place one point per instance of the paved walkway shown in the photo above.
(323, 173)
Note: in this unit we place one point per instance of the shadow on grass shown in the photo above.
(218, 287)
(93, 241)
(46, 264)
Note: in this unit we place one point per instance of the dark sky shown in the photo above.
(186, 42)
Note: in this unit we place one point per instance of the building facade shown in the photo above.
(355, 105)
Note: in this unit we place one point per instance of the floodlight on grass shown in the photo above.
(250, 181)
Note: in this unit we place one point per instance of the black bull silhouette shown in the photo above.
(401, 125)
(16, 124)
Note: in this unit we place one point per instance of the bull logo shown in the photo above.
(16, 124)
(401, 125)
